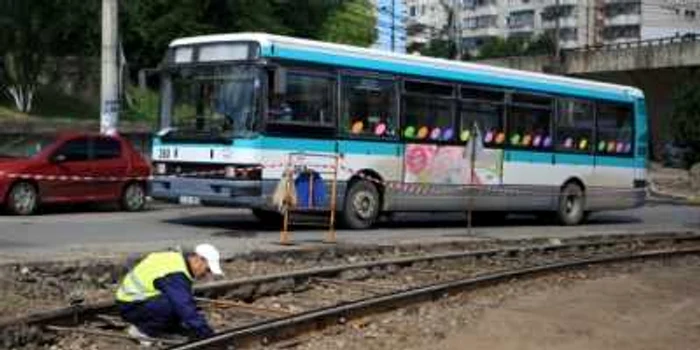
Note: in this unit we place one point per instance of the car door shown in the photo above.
(110, 166)
(68, 173)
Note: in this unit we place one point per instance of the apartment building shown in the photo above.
(581, 22)
(425, 19)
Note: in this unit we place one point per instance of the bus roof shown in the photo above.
(362, 58)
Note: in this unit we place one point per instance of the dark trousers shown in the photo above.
(155, 317)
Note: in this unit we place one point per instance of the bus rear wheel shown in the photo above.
(362, 205)
(572, 205)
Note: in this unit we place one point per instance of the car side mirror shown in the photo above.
(59, 158)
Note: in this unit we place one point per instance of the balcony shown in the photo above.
(481, 32)
(623, 20)
(564, 22)
(481, 10)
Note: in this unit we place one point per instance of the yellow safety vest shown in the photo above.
(138, 284)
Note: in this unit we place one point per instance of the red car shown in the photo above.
(74, 168)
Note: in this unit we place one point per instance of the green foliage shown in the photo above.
(353, 23)
(685, 120)
(141, 105)
(516, 46)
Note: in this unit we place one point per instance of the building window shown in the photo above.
(308, 101)
(614, 129)
(575, 125)
(427, 111)
(412, 11)
(368, 107)
(529, 121)
(481, 115)
(521, 19)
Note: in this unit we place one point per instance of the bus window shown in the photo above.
(428, 112)
(308, 101)
(575, 124)
(368, 107)
(529, 122)
(481, 109)
(614, 129)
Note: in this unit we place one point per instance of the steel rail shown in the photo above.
(285, 326)
(73, 312)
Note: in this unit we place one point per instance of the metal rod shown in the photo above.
(245, 307)
(108, 334)
(334, 191)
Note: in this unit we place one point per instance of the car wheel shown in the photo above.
(22, 199)
(572, 203)
(362, 205)
(133, 197)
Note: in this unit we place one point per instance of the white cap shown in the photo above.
(211, 255)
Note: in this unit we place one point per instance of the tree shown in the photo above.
(354, 23)
(685, 120)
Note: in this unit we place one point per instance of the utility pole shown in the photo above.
(457, 27)
(109, 101)
(393, 25)
(557, 46)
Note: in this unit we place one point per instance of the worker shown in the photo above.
(156, 298)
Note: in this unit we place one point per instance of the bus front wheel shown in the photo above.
(572, 203)
(362, 204)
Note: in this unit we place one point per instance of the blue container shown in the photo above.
(302, 184)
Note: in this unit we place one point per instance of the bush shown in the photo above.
(685, 120)
(141, 105)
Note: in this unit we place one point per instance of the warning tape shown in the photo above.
(413, 188)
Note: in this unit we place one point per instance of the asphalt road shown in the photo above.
(70, 232)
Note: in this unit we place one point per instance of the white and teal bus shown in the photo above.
(541, 143)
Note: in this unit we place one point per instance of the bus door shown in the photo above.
(574, 143)
(641, 142)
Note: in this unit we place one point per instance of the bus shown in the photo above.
(413, 133)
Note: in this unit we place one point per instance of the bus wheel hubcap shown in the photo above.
(364, 204)
(572, 204)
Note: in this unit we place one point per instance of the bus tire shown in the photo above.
(362, 205)
(572, 205)
(268, 218)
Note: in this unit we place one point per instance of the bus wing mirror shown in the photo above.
(280, 81)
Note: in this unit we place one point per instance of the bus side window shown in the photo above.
(308, 101)
(614, 129)
(529, 122)
(481, 115)
(368, 107)
(428, 112)
(575, 124)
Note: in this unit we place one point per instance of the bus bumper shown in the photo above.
(212, 192)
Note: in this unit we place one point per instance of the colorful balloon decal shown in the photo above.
(409, 132)
(380, 129)
(488, 138)
(527, 139)
(500, 138)
(515, 139)
(611, 146)
(583, 144)
(435, 134)
(448, 134)
(466, 135)
(422, 132)
(547, 142)
(628, 147)
(537, 141)
(569, 142)
(601, 146)
(357, 127)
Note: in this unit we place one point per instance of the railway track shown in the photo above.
(267, 309)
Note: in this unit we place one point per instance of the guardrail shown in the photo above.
(690, 37)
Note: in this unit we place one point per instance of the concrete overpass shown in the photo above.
(655, 66)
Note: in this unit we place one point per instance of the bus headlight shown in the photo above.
(161, 168)
(230, 172)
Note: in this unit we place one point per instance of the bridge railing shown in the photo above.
(690, 37)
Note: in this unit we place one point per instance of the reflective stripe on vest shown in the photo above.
(138, 284)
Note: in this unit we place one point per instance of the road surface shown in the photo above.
(72, 232)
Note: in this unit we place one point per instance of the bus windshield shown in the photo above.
(213, 100)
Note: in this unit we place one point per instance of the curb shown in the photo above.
(656, 196)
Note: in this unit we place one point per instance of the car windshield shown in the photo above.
(23, 146)
(215, 100)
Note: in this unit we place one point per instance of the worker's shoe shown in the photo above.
(143, 339)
